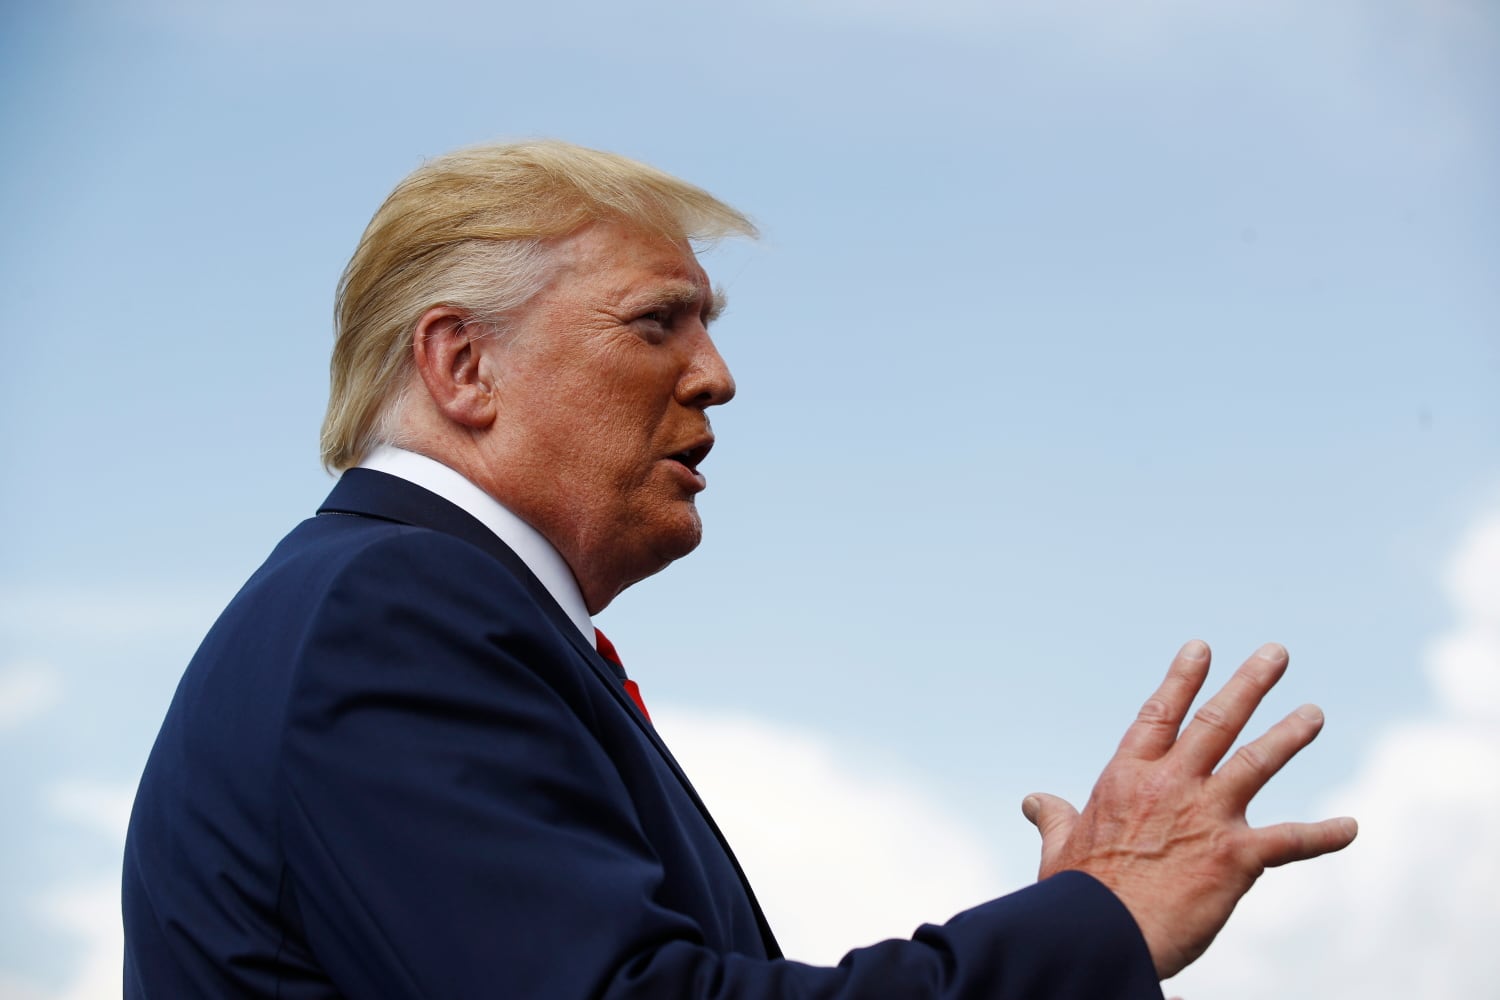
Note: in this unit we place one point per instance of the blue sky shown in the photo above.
(1075, 332)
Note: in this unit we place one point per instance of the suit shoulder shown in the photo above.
(342, 585)
(370, 555)
(343, 539)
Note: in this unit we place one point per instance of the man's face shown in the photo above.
(603, 382)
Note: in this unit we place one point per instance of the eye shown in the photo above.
(653, 325)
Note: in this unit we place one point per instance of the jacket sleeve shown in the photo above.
(453, 828)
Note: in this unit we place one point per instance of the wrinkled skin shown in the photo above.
(1166, 831)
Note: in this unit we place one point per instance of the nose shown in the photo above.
(706, 380)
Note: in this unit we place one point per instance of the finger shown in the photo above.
(1217, 724)
(1052, 816)
(1287, 842)
(1054, 819)
(1155, 727)
(1253, 764)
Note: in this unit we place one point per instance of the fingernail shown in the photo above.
(1312, 713)
(1349, 826)
(1195, 649)
(1271, 651)
(1029, 806)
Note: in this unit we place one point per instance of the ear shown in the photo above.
(446, 348)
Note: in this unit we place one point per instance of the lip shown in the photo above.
(687, 460)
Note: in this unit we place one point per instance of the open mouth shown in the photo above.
(690, 457)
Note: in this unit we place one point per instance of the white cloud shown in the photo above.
(841, 853)
(1465, 665)
(90, 913)
(86, 910)
(27, 690)
(101, 806)
(15, 989)
(108, 612)
(837, 849)
(1409, 911)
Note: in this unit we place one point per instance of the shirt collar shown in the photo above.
(529, 544)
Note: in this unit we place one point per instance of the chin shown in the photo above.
(680, 538)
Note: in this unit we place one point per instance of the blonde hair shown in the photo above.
(471, 230)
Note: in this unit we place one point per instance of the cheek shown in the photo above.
(622, 453)
(604, 422)
(626, 440)
(583, 432)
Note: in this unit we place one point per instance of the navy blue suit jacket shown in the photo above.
(395, 769)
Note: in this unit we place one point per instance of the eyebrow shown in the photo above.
(680, 296)
(717, 304)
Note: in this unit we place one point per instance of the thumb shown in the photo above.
(1053, 818)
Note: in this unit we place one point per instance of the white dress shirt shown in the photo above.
(525, 541)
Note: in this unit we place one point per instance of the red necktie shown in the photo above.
(607, 650)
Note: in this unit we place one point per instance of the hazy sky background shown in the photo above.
(1078, 329)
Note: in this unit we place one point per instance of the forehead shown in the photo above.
(617, 263)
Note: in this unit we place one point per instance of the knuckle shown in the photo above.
(1285, 846)
(1155, 712)
(1259, 676)
(1254, 757)
(1212, 715)
(1241, 852)
(1291, 842)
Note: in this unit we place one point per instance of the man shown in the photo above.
(403, 764)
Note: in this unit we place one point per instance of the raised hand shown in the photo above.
(1166, 831)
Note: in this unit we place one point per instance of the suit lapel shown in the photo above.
(367, 493)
